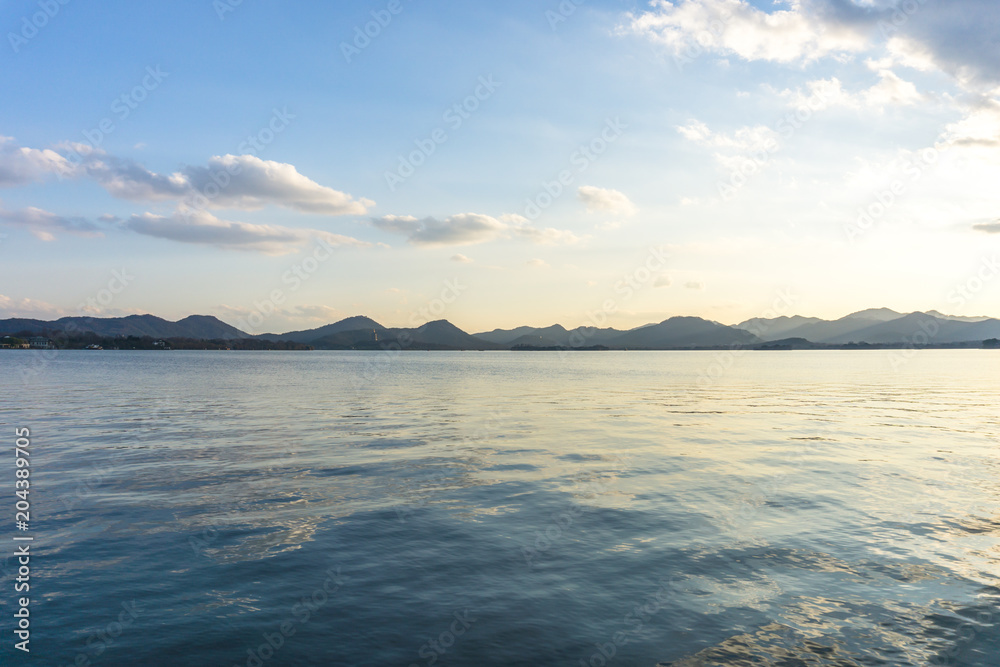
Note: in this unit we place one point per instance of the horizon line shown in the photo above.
(764, 316)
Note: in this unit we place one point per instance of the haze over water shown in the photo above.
(806, 508)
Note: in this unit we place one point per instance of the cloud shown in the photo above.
(20, 166)
(461, 258)
(317, 313)
(956, 37)
(282, 318)
(979, 129)
(203, 228)
(891, 90)
(468, 229)
(28, 308)
(243, 182)
(731, 150)
(538, 263)
(257, 183)
(604, 199)
(46, 226)
(694, 284)
(662, 281)
(807, 31)
(988, 227)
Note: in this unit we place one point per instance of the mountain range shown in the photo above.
(879, 326)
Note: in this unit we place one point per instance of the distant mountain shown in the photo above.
(508, 336)
(876, 326)
(443, 332)
(770, 329)
(555, 335)
(923, 328)
(356, 323)
(437, 335)
(981, 331)
(825, 331)
(877, 314)
(957, 318)
(202, 327)
(680, 332)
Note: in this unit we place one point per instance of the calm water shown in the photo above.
(805, 508)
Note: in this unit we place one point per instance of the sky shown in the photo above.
(496, 164)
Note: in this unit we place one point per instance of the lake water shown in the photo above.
(499, 508)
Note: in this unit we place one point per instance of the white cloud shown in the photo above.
(20, 165)
(28, 308)
(461, 258)
(46, 226)
(979, 129)
(243, 182)
(743, 140)
(468, 229)
(257, 183)
(606, 200)
(731, 150)
(282, 318)
(662, 281)
(538, 263)
(689, 28)
(694, 284)
(203, 228)
(955, 37)
(891, 90)
(988, 227)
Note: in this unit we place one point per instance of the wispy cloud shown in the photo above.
(243, 182)
(605, 200)
(468, 229)
(988, 227)
(46, 226)
(203, 228)
(735, 27)
(20, 165)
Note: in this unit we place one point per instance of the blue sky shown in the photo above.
(881, 192)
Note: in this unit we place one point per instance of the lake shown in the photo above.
(503, 508)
